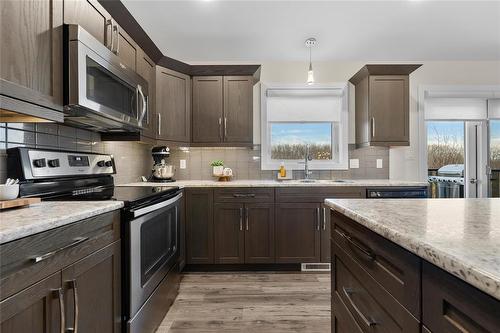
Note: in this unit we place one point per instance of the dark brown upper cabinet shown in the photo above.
(238, 109)
(222, 110)
(31, 59)
(382, 105)
(173, 105)
(147, 69)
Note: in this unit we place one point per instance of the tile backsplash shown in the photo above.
(245, 164)
(132, 159)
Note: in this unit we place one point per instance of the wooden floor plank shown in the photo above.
(250, 302)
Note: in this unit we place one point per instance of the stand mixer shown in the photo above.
(162, 171)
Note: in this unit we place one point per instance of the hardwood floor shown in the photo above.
(251, 302)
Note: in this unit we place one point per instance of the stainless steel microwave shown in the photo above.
(100, 92)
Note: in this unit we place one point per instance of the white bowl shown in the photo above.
(8, 192)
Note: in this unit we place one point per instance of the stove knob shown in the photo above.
(53, 163)
(101, 163)
(109, 164)
(39, 163)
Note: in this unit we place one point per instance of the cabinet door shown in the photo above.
(126, 48)
(229, 233)
(173, 105)
(298, 233)
(325, 234)
(238, 109)
(207, 109)
(199, 226)
(388, 108)
(93, 292)
(147, 69)
(35, 309)
(31, 54)
(91, 16)
(259, 233)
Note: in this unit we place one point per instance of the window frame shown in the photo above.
(343, 130)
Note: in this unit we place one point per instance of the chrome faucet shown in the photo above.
(307, 158)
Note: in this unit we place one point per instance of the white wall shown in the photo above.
(403, 160)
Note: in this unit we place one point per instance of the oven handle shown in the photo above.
(157, 206)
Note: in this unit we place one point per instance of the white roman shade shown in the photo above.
(494, 108)
(304, 105)
(455, 108)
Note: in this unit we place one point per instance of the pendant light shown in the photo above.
(310, 43)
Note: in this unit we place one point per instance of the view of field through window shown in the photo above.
(289, 140)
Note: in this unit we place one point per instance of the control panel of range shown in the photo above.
(46, 163)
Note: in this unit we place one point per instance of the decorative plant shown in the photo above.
(217, 163)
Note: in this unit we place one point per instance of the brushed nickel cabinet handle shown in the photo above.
(367, 252)
(317, 219)
(246, 219)
(76, 307)
(348, 292)
(220, 129)
(159, 123)
(50, 254)
(225, 127)
(241, 219)
(373, 127)
(324, 218)
(62, 316)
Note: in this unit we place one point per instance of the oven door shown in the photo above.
(153, 248)
(101, 92)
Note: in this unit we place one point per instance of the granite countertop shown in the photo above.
(284, 183)
(21, 222)
(461, 236)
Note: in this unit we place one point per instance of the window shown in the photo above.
(495, 158)
(296, 117)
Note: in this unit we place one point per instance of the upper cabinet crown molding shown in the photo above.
(382, 105)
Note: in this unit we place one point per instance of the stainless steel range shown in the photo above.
(150, 223)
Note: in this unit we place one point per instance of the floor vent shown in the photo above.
(315, 267)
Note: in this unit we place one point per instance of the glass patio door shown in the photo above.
(494, 158)
(454, 158)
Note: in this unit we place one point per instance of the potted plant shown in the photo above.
(218, 168)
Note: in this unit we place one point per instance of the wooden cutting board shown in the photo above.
(18, 202)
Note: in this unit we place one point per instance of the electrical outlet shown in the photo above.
(354, 163)
(182, 164)
(380, 163)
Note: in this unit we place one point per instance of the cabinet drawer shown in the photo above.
(367, 306)
(244, 195)
(451, 305)
(317, 194)
(40, 255)
(394, 268)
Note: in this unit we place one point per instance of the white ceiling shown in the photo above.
(208, 31)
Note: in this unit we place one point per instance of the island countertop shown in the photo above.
(46, 215)
(461, 236)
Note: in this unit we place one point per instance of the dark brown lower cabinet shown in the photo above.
(259, 233)
(94, 282)
(451, 305)
(298, 232)
(377, 286)
(35, 309)
(244, 233)
(199, 226)
(77, 276)
(229, 233)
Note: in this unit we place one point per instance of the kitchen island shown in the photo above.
(410, 262)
